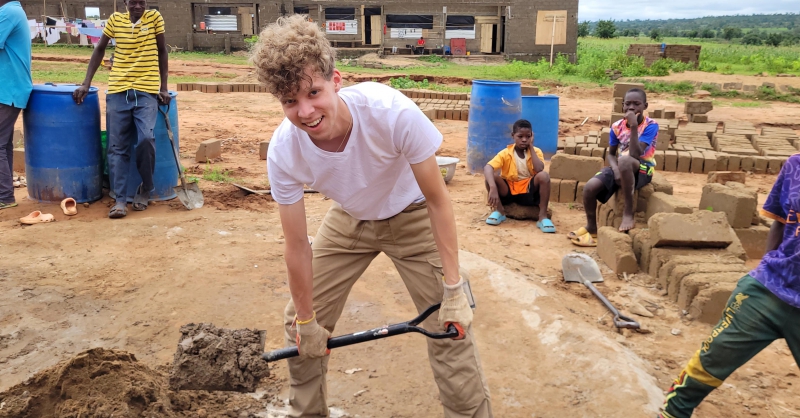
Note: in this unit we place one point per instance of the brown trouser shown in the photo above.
(343, 249)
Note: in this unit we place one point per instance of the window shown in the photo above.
(301, 10)
(460, 27)
(409, 21)
(92, 12)
(340, 13)
(219, 10)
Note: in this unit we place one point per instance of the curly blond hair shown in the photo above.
(285, 49)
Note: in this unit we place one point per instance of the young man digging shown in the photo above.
(522, 178)
(371, 150)
(136, 85)
(764, 307)
(635, 138)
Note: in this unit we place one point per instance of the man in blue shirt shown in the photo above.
(764, 307)
(15, 66)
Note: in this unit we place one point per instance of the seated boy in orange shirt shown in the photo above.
(522, 178)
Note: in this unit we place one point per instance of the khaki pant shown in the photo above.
(343, 249)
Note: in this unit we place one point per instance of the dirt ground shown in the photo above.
(547, 347)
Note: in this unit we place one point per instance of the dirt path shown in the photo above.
(546, 347)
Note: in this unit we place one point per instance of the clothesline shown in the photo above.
(88, 31)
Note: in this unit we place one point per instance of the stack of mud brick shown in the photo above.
(683, 53)
(667, 121)
(438, 105)
(610, 213)
(650, 52)
(747, 150)
(619, 95)
(690, 151)
(696, 110)
(222, 87)
(593, 145)
(569, 174)
(776, 142)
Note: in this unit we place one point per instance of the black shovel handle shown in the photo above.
(620, 320)
(372, 335)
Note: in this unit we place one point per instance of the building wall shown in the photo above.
(517, 42)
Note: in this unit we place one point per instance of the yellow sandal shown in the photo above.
(585, 240)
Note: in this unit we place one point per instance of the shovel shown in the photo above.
(580, 268)
(188, 193)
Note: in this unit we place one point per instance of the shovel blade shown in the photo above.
(191, 196)
(580, 268)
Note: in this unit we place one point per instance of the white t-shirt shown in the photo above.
(371, 178)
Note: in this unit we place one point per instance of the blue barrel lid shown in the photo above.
(53, 88)
(498, 82)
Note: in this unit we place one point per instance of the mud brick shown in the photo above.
(761, 164)
(209, 88)
(660, 256)
(722, 162)
(693, 284)
(670, 160)
(658, 113)
(578, 191)
(263, 149)
(569, 149)
(748, 163)
(749, 87)
(530, 91)
(662, 143)
(19, 160)
(208, 150)
(684, 161)
(621, 88)
(578, 147)
(615, 117)
(697, 257)
(722, 177)
(768, 84)
(574, 167)
(430, 113)
(697, 162)
(700, 118)
(735, 163)
(659, 160)
(616, 250)
(711, 300)
(737, 204)
(701, 229)
(660, 202)
(465, 115)
(641, 246)
(555, 186)
(586, 151)
(617, 106)
(709, 162)
(774, 165)
(448, 114)
(598, 152)
(605, 135)
(754, 240)
(566, 192)
(669, 114)
(677, 278)
(698, 107)
(440, 113)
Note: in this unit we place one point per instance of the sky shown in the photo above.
(679, 9)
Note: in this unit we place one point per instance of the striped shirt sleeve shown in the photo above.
(159, 23)
(110, 26)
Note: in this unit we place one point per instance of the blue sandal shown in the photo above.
(496, 218)
(546, 226)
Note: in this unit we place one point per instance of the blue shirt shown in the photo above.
(648, 134)
(779, 270)
(15, 56)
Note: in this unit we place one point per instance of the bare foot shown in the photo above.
(627, 223)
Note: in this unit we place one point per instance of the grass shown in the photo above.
(71, 72)
(217, 175)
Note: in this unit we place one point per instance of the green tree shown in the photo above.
(655, 35)
(731, 32)
(773, 39)
(605, 29)
(751, 38)
(692, 33)
(583, 29)
(707, 33)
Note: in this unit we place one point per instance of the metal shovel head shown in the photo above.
(580, 268)
(190, 196)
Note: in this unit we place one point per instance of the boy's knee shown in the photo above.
(542, 177)
(628, 161)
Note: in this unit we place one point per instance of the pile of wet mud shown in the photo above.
(112, 383)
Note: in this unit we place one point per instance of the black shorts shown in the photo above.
(530, 198)
(642, 178)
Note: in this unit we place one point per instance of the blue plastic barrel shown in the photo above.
(494, 106)
(542, 113)
(63, 156)
(166, 174)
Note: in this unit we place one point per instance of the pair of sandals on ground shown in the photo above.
(140, 202)
(545, 225)
(68, 206)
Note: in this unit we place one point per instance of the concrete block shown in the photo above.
(663, 203)
(661, 184)
(19, 160)
(711, 299)
(670, 160)
(263, 149)
(616, 250)
(697, 162)
(574, 167)
(621, 88)
(566, 192)
(754, 240)
(701, 229)
(698, 107)
(676, 281)
(699, 118)
(208, 150)
(684, 162)
(722, 177)
(737, 204)
(761, 164)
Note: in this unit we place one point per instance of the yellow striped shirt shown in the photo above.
(136, 54)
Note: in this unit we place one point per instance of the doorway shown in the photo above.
(372, 26)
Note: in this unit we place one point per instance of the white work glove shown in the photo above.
(312, 339)
(455, 309)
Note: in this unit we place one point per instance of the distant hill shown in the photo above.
(766, 22)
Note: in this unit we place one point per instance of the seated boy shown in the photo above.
(631, 170)
(764, 306)
(522, 178)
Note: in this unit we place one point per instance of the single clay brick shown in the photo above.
(697, 162)
(19, 160)
(692, 284)
(566, 192)
(735, 163)
(659, 160)
(465, 115)
(754, 240)
(660, 183)
(680, 273)
(723, 177)
(578, 192)
(684, 162)
(761, 165)
(208, 150)
(440, 114)
(555, 186)
(671, 160)
(620, 89)
(598, 152)
(696, 258)
(700, 118)
(586, 152)
(737, 204)
(263, 149)
(722, 161)
(641, 247)
(710, 163)
(574, 167)
(711, 301)
(748, 163)
(663, 203)
(659, 256)
(701, 229)
(616, 250)
(774, 165)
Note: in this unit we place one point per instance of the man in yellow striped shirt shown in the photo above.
(136, 85)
